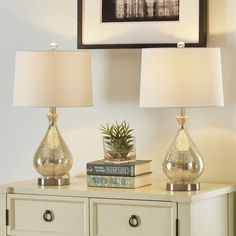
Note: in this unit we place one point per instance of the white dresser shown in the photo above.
(77, 210)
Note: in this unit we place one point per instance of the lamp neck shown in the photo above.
(53, 110)
(181, 117)
(52, 115)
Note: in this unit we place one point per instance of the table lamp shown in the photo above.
(181, 77)
(53, 79)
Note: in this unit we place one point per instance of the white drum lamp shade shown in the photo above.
(52, 79)
(181, 77)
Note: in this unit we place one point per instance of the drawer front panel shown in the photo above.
(47, 215)
(132, 218)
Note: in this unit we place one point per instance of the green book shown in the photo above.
(125, 169)
(119, 181)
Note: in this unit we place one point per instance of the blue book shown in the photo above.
(125, 169)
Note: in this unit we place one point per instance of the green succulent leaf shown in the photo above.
(118, 139)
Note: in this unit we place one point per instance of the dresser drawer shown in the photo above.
(111, 217)
(32, 215)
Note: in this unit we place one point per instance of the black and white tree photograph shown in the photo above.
(140, 10)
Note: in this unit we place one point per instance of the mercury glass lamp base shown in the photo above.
(65, 180)
(183, 187)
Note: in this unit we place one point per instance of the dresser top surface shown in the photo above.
(156, 191)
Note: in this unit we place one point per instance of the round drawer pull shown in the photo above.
(134, 221)
(48, 216)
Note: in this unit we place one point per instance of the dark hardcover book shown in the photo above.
(119, 181)
(125, 169)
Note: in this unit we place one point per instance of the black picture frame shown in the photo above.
(202, 32)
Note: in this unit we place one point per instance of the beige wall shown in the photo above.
(32, 25)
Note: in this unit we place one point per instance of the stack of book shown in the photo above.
(126, 175)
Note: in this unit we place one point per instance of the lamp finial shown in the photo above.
(180, 44)
(53, 46)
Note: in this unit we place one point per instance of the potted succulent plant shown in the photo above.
(118, 143)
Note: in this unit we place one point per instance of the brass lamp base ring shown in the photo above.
(183, 187)
(65, 180)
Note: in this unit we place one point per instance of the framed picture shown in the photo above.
(141, 23)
